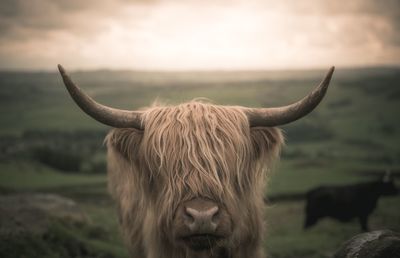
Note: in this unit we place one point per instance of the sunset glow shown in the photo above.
(192, 35)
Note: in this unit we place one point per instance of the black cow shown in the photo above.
(347, 202)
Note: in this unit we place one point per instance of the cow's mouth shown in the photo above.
(201, 242)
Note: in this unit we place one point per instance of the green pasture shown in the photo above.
(353, 136)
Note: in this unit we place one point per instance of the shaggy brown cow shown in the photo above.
(189, 179)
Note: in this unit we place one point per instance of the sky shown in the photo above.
(198, 34)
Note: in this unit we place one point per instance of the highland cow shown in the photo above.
(189, 179)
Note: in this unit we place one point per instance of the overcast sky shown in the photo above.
(198, 34)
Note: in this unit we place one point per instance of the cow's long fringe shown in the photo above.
(191, 150)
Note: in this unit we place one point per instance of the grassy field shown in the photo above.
(48, 145)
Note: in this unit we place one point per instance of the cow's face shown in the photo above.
(207, 165)
(387, 186)
(202, 171)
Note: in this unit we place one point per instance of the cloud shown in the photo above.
(37, 17)
(151, 34)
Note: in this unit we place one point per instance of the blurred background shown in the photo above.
(125, 54)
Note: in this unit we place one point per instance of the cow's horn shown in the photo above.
(106, 115)
(283, 115)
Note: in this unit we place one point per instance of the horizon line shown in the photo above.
(222, 70)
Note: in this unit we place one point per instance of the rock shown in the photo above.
(47, 225)
(33, 212)
(375, 244)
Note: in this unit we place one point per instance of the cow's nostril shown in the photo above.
(188, 216)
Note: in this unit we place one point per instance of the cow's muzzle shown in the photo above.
(201, 223)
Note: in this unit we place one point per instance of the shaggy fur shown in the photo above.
(191, 150)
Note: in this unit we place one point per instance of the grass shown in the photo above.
(352, 135)
(292, 177)
(28, 176)
(286, 238)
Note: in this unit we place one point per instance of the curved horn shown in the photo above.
(283, 115)
(106, 115)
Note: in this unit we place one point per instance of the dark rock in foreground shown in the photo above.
(45, 225)
(34, 212)
(375, 244)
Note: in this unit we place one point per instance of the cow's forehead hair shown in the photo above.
(197, 144)
(208, 144)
